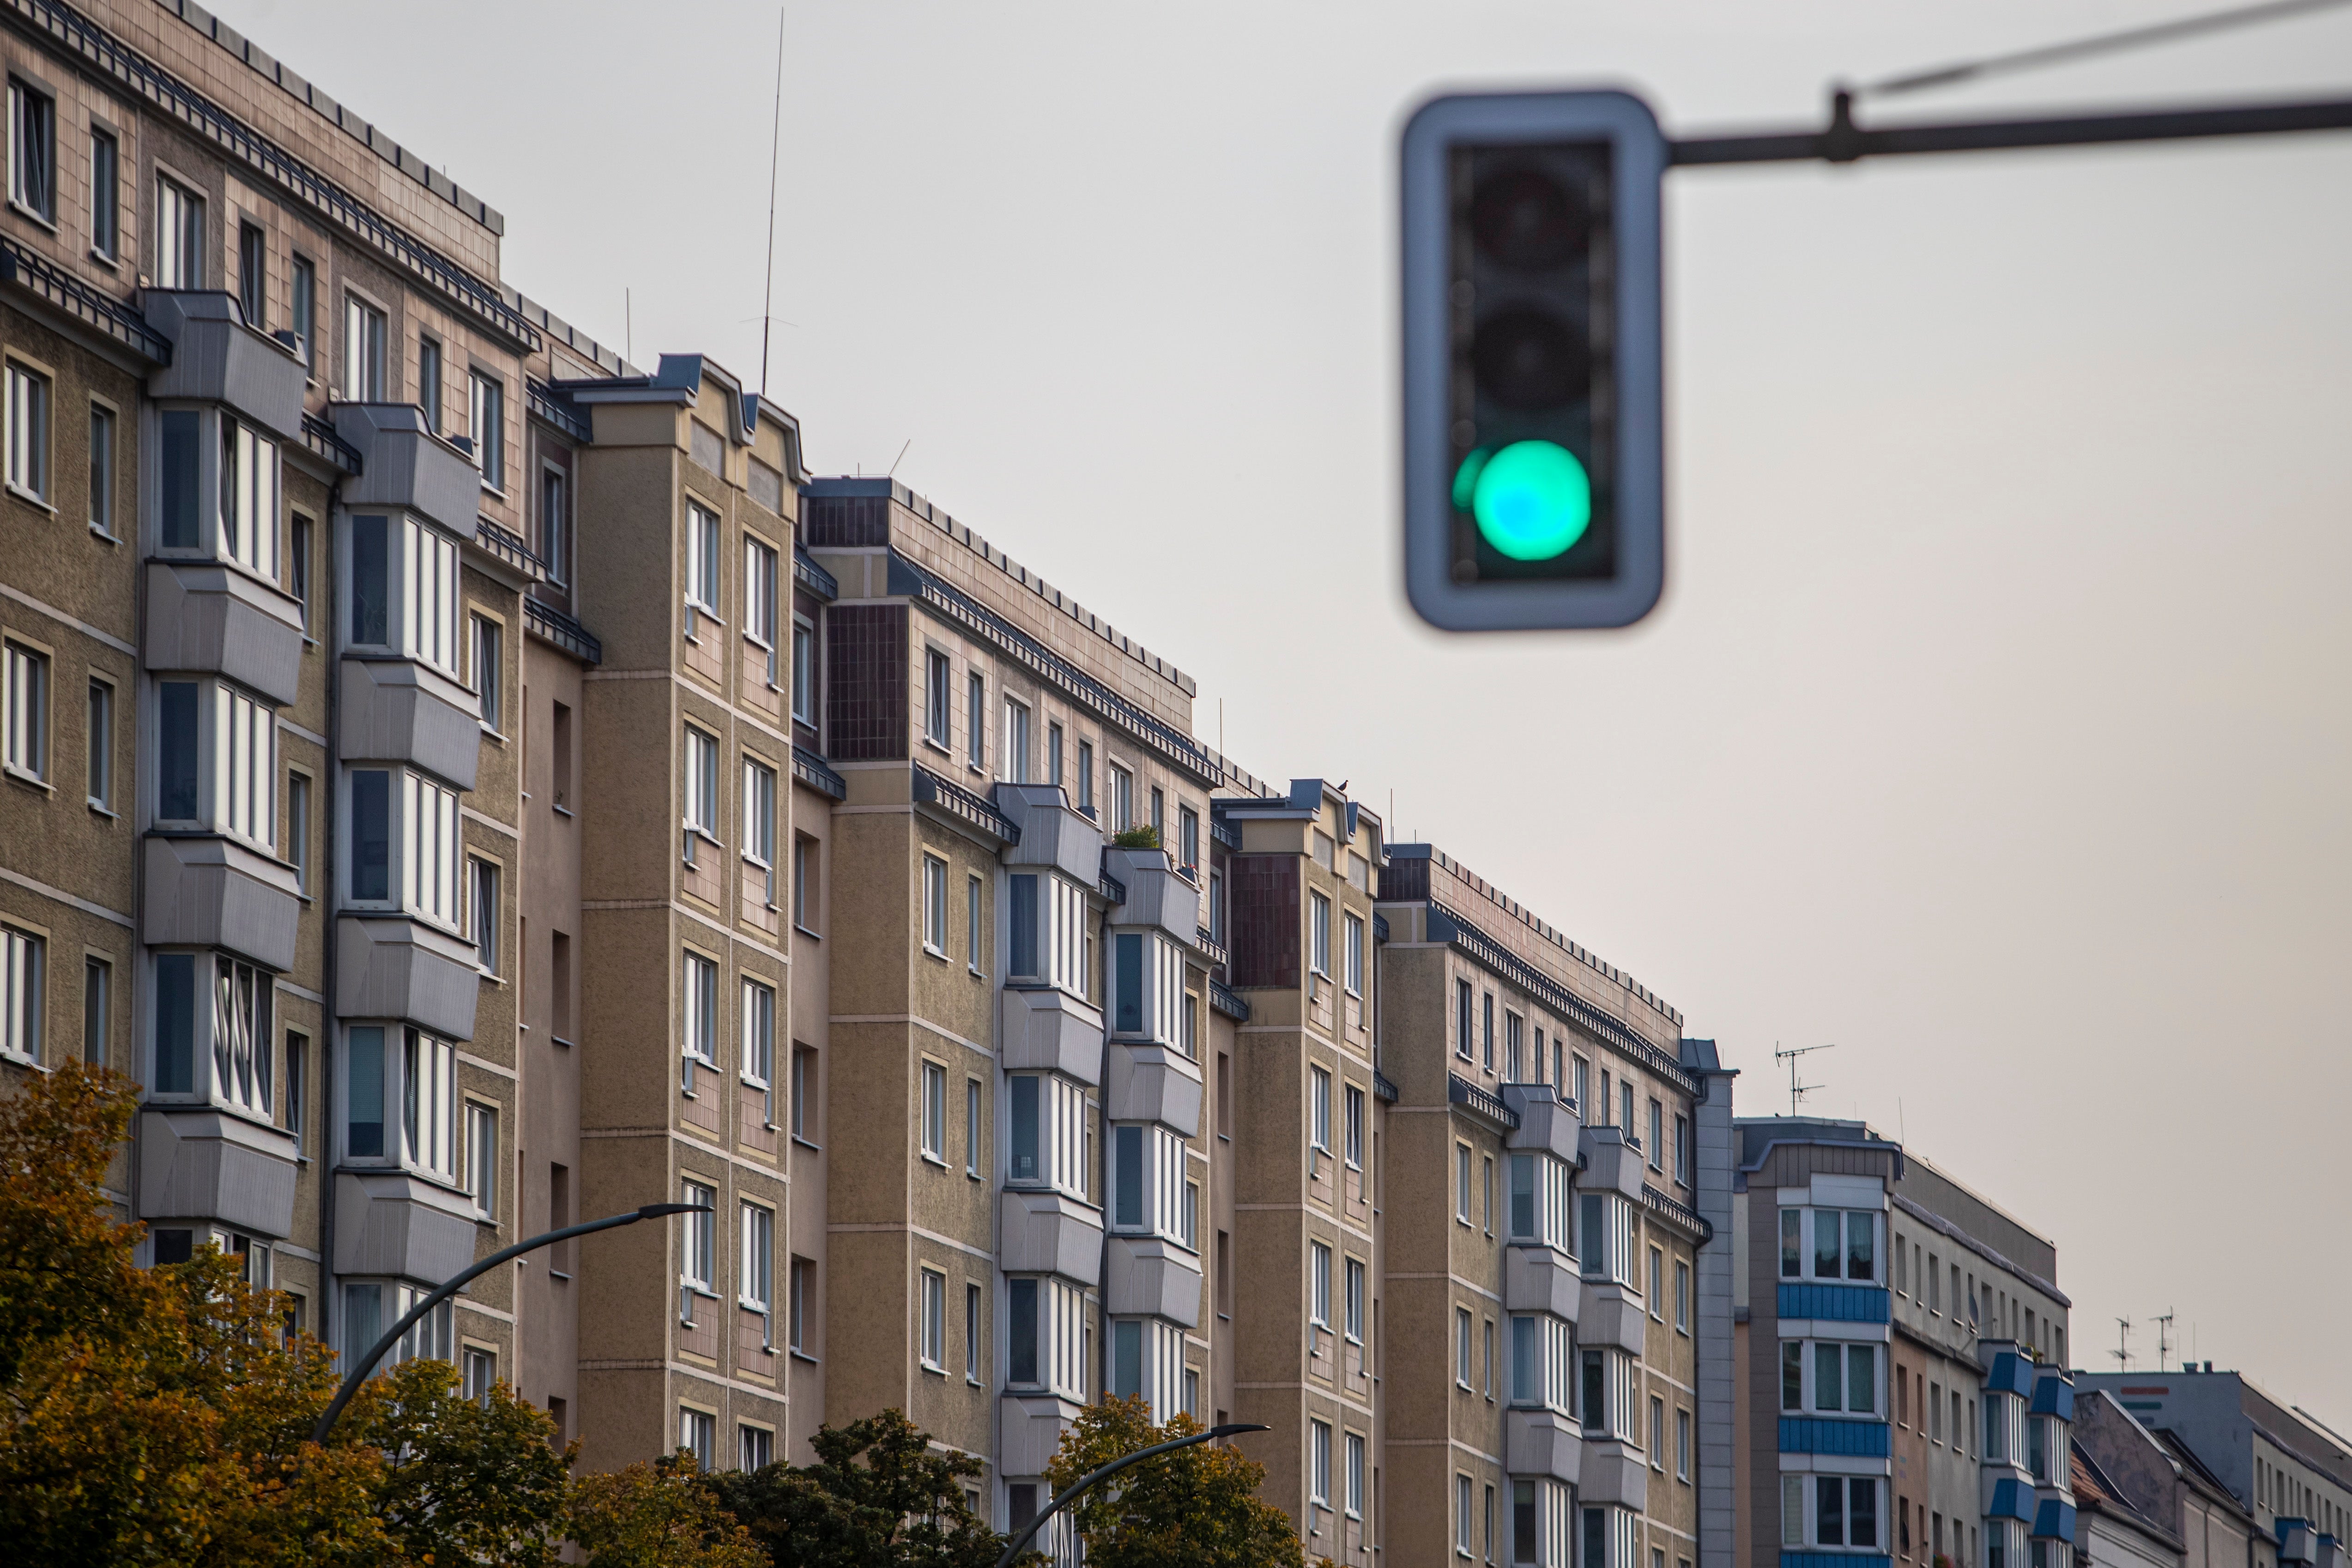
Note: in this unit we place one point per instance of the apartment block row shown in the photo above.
(476, 785)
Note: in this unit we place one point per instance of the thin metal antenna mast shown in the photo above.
(775, 148)
(1797, 1091)
(2163, 1337)
(2122, 1353)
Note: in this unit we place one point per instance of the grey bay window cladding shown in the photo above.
(215, 891)
(218, 358)
(404, 465)
(211, 1165)
(400, 711)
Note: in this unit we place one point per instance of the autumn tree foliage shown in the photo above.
(878, 1494)
(1196, 1508)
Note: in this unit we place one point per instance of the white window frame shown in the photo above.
(760, 822)
(1811, 1354)
(701, 789)
(699, 1041)
(485, 417)
(482, 1157)
(420, 591)
(939, 698)
(932, 1346)
(804, 672)
(935, 906)
(1352, 954)
(755, 1265)
(703, 587)
(934, 1113)
(697, 1249)
(1012, 742)
(976, 721)
(1319, 1110)
(424, 846)
(33, 152)
(235, 762)
(489, 672)
(26, 696)
(483, 912)
(24, 982)
(31, 403)
(760, 599)
(757, 1067)
(179, 235)
(366, 372)
(1318, 929)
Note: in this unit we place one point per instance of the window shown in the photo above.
(935, 906)
(296, 845)
(1462, 1347)
(802, 1285)
(369, 1307)
(697, 1434)
(1189, 1231)
(1319, 1109)
(701, 788)
(1682, 1445)
(1844, 1511)
(1462, 1182)
(972, 925)
(1046, 1336)
(1012, 745)
(1354, 1503)
(760, 828)
(482, 1158)
(1657, 1136)
(698, 1259)
(1318, 1472)
(700, 1042)
(1086, 777)
(554, 520)
(1354, 1301)
(179, 236)
(971, 1333)
(1319, 933)
(1146, 1172)
(101, 474)
(758, 1065)
(1657, 1432)
(305, 281)
(805, 882)
(98, 746)
(28, 433)
(1354, 956)
(1656, 1291)
(253, 275)
(1159, 815)
(1188, 839)
(1583, 1071)
(417, 818)
(98, 1012)
(362, 350)
(804, 1085)
(1682, 1297)
(755, 1447)
(760, 607)
(1513, 1048)
(1542, 1363)
(1539, 1200)
(486, 664)
(1682, 1150)
(399, 1095)
(702, 590)
(404, 588)
(975, 718)
(1486, 1194)
(1355, 1128)
(935, 1113)
(1845, 1244)
(1831, 1376)
(248, 498)
(33, 150)
(972, 1127)
(755, 1271)
(489, 432)
(21, 975)
(216, 759)
(1462, 1019)
(1122, 798)
(1319, 1285)
(482, 912)
(938, 699)
(1487, 1031)
(430, 377)
(1463, 1528)
(1626, 1088)
(1054, 756)
(105, 195)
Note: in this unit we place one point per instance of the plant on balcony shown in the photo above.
(1196, 1508)
(1144, 836)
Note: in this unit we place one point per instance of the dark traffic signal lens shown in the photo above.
(1527, 359)
(1526, 221)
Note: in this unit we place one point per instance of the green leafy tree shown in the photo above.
(1196, 1508)
(463, 1480)
(879, 1496)
(657, 1515)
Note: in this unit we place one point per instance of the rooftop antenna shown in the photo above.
(2163, 1337)
(1797, 1091)
(2122, 1353)
(898, 459)
(628, 327)
(775, 147)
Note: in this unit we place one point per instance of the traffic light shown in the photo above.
(1533, 470)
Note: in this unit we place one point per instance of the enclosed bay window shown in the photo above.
(1049, 930)
(1146, 1180)
(1046, 1336)
(218, 489)
(1048, 1117)
(400, 1101)
(1147, 1359)
(369, 1307)
(1605, 1237)
(404, 576)
(1608, 1389)
(217, 761)
(1147, 987)
(1832, 1378)
(1540, 1201)
(2001, 1417)
(1829, 1244)
(1832, 1511)
(212, 1031)
(406, 846)
(1542, 1362)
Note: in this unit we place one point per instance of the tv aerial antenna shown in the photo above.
(2122, 1353)
(2163, 1337)
(1798, 1090)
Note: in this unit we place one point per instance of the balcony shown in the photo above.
(957, 804)
(552, 626)
(1051, 833)
(398, 710)
(388, 1223)
(1537, 1442)
(1158, 895)
(1540, 1279)
(1486, 1107)
(1045, 1232)
(391, 966)
(404, 464)
(1610, 1314)
(817, 773)
(1154, 1083)
(1047, 1030)
(201, 1164)
(218, 358)
(206, 617)
(210, 890)
(1148, 1277)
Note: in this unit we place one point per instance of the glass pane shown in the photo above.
(1861, 1256)
(1130, 1153)
(177, 431)
(1861, 1380)
(1792, 1239)
(176, 735)
(364, 1138)
(1829, 1511)
(1792, 1375)
(175, 1023)
(1827, 1363)
(1025, 1130)
(1825, 1244)
(370, 582)
(1022, 1329)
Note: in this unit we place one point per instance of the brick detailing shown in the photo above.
(1263, 899)
(844, 521)
(866, 699)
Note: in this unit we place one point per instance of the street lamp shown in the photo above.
(366, 1364)
(1021, 1542)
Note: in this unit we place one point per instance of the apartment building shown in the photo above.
(2288, 1472)
(2146, 1500)
(1543, 1237)
(1903, 1376)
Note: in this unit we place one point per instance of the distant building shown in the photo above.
(2291, 1475)
(1900, 1340)
(2146, 1498)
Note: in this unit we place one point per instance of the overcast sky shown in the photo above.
(1994, 724)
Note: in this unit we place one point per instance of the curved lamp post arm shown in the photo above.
(365, 1364)
(1021, 1542)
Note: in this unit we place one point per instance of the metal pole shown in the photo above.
(366, 1364)
(1021, 1542)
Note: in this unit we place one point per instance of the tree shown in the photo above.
(657, 1515)
(1196, 1508)
(463, 1480)
(902, 1507)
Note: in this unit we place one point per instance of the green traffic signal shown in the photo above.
(1532, 499)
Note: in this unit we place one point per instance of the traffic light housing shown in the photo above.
(1534, 483)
